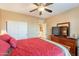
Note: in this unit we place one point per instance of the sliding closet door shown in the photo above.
(17, 29)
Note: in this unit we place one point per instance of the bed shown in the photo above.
(30, 47)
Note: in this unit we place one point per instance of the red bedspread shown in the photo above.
(36, 47)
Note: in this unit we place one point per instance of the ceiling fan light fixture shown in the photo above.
(41, 8)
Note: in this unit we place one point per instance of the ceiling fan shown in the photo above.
(41, 7)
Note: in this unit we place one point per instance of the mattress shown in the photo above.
(38, 47)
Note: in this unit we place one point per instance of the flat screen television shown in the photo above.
(55, 30)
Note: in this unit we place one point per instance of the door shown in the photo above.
(17, 29)
(43, 31)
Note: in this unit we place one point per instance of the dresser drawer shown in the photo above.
(67, 42)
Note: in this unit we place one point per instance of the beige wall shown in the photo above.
(0, 21)
(33, 22)
(71, 16)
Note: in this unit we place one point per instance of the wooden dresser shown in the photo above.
(67, 42)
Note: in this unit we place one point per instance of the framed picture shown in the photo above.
(64, 28)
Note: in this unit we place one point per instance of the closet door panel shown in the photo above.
(17, 29)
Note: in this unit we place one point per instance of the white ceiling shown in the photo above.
(26, 7)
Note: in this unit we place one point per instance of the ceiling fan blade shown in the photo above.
(33, 10)
(40, 13)
(36, 4)
(47, 4)
(48, 10)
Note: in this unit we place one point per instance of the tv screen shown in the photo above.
(55, 31)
